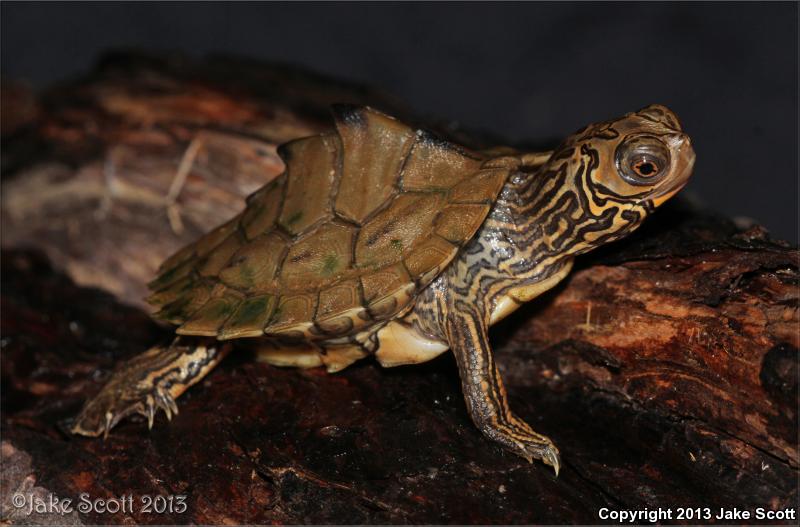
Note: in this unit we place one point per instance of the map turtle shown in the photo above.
(383, 240)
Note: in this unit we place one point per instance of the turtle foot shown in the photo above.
(118, 400)
(148, 383)
(516, 436)
(544, 450)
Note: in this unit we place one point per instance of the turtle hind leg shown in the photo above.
(484, 392)
(149, 382)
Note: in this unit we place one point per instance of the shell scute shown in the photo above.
(337, 325)
(309, 184)
(339, 298)
(207, 320)
(220, 255)
(358, 223)
(318, 259)
(253, 266)
(177, 289)
(395, 230)
(249, 318)
(428, 256)
(434, 164)
(293, 315)
(384, 282)
(262, 209)
(192, 297)
(458, 222)
(214, 238)
(481, 188)
(171, 275)
(374, 147)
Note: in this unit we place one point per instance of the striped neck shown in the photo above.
(552, 212)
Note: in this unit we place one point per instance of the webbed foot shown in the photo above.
(121, 398)
(519, 438)
(148, 383)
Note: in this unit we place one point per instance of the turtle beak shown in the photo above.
(684, 164)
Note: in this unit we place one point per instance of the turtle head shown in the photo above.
(621, 170)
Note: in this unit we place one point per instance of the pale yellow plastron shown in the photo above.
(400, 344)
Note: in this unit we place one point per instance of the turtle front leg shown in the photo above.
(149, 382)
(483, 388)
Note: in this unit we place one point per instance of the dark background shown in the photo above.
(532, 71)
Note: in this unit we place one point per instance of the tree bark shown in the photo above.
(665, 367)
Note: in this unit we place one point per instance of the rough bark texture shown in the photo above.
(665, 368)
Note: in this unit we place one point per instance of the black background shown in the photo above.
(526, 71)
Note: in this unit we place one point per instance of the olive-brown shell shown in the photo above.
(360, 220)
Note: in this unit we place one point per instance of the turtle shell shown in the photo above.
(361, 219)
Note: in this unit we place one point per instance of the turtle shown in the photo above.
(381, 239)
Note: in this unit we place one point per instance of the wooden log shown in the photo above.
(665, 367)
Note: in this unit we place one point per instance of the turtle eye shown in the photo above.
(642, 160)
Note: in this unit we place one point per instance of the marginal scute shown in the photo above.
(481, 187)
(507, 162)
(168, 294)
(207, 320)
(374, 147)
(219, 257)
(394, 230)
(434, 164)
(428, 255)
(338, 325)
(262, 209)
(309, 183)
(208, 242)
(177, 311)
(388, 306)
(338, 299)
(293, 315)
(384, 282)
(458, 222)
(383, 308)
(172, 275)
(249, 318)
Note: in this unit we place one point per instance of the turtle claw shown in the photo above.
(102, 413)
(150, 412)
(540, 447)
(520, 439)
(162, 400)
(108, 424)
(551, 458)
(167, 403)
